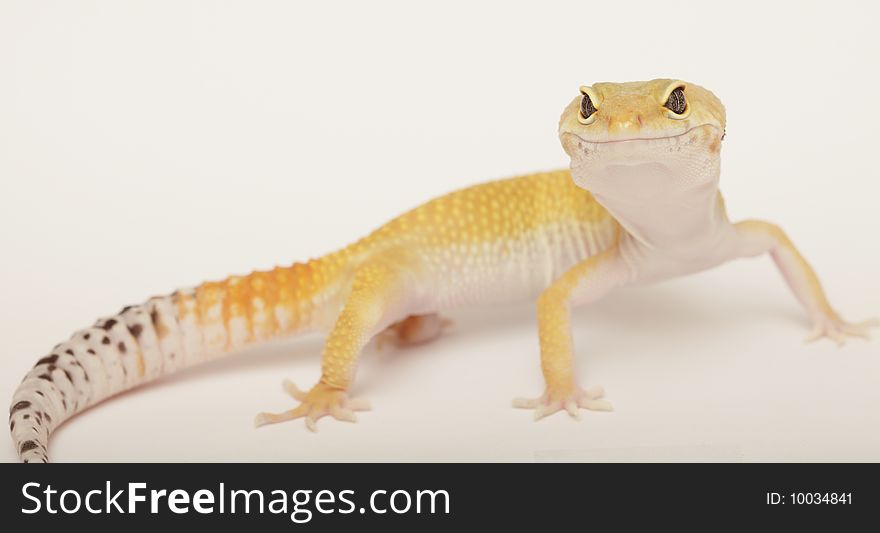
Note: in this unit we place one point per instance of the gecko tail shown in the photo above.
(165, 334)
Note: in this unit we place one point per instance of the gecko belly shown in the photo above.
(507, 270)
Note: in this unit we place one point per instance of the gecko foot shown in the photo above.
(321, 400)
(550, 402)
(839, 330)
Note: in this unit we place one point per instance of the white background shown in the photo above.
(150, 145)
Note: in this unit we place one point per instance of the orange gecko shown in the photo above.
(639, 204)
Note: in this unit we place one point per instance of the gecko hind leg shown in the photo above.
(414, 329)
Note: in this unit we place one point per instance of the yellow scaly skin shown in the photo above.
(640, 204)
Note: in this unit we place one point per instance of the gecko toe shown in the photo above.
(572, 407)
(595, 405)
(359, 404)
(263, 419)
(343, 414)
(525, 403)
(545, 410)
(294, 391)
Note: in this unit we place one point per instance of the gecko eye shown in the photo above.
(587, 107)
(676, 101)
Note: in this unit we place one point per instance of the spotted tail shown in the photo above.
(167, 333)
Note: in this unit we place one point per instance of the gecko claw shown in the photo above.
(551, 402)
(322, 400)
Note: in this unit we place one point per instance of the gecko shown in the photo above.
(639, 203)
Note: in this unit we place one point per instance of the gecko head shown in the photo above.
(641, 141)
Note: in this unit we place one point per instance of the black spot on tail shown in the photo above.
(24, 404)
(27, 446)
(48, 359)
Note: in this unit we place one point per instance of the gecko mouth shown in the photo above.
(691, 133)
(701, 139)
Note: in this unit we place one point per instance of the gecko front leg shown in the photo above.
(757, 237)
(584, 283)
(377, 298)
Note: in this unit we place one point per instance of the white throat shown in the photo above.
(684, 221)
(663, 192)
